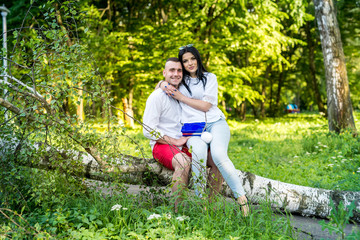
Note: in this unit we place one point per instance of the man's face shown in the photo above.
(173, 73)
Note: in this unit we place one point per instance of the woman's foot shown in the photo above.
(244, 205)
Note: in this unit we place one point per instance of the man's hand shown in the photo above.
(181, 141)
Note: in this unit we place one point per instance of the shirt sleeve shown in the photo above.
(211, 90)
(151, 118)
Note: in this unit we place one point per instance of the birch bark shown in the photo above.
(339, 105)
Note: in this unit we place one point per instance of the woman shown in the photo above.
(197, 95)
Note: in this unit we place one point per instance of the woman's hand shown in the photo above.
(167, 88)
(176, 94)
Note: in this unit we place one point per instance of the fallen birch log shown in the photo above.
(297, 199)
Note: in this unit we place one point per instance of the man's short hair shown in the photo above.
(172, 59)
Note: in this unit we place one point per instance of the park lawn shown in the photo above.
(295, 148)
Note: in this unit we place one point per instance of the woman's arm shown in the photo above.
(176, 94)
(194, 103)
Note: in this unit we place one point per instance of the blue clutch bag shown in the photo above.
(193, 129)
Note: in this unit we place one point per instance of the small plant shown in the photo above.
(339, 218)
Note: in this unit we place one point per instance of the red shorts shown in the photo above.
(164, 153)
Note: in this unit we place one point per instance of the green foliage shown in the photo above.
(339, 218)
(92, 215)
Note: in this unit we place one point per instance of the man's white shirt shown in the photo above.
(161, 117)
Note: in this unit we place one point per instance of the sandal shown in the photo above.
(245, 208)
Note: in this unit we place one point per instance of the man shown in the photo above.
(162, 126)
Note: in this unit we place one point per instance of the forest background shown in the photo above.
(266, 54)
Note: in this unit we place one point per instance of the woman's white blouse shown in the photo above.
(209, 94)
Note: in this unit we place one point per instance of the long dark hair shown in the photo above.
(200, 70)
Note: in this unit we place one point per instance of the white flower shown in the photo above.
(296, 156)
(325, 146)
(330, 165)
(182, 218)
(256, 120)
(307, 153)
(319, 143)
(316, 147)
(168, 215)
(116, 207)
(340, 156)
(250, 148)
(125, 208)
(152, 216)
(333, 157)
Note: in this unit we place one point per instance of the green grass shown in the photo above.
(296, 149)
(88, 215)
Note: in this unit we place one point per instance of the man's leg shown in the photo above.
(181, 164)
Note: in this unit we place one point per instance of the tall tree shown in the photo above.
(339, 105)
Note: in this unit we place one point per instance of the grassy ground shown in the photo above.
(295, 149)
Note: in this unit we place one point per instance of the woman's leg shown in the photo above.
(199, 151)
(219, 148)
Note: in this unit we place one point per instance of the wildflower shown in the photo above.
(116, 207)
(330, 165)
(296, 156)
(307, 153)
(250, 148)
(333, 157)
(182, 218)
(316, 147)
(325, 146)
(340, 156)
(256, 120)
(152, 216)
(319, 143)
(168, 215)
(125, 208)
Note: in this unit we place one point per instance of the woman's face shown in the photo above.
(190, 63)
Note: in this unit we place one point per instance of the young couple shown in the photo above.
(188, 95)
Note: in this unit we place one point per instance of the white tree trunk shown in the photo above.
(339, 105)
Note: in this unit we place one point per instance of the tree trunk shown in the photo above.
(339, 105)
(80, 106)
(278, 93)
(243, 111)
(263, 90)
(312, 68)
(128, 113)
